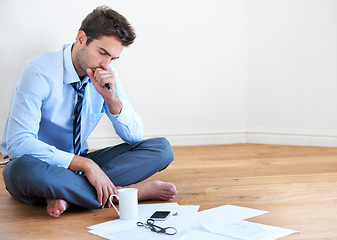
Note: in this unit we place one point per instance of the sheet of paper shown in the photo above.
(137, 233)
(121, 229)
(248, 230)
(144, 210)
(227, 213)
(201, 233)
(221, 223)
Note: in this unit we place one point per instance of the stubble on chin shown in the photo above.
(82, 61)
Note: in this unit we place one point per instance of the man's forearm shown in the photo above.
(115, 106)
(80, 164)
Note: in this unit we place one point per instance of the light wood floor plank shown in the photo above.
(297, 185)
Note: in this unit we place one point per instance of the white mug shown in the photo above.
(128, 203)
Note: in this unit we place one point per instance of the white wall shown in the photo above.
(201, 72)
(185, 74)
(292, 72)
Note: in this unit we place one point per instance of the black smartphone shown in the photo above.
(160, 215)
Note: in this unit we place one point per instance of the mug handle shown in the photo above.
(110, 199)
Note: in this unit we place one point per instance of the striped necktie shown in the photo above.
(77, 118)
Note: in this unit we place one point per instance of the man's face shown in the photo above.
(98, 54)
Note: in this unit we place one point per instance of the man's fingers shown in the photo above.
(114, 189)
(106, 196)
(110, 192)
(99, 195)
(105, 80)
(104, 76)
(103, 73)
(90, 74)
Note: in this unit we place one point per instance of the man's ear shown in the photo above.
(81, 37)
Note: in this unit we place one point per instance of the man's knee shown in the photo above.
(25, 166)
(22, 174)
(163, 149)
(18, 176)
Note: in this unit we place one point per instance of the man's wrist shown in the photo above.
(115, 106)
(80, 164)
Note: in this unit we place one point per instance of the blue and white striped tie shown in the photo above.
(77, 118)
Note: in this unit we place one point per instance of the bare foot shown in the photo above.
(55, 207)
(155, 190)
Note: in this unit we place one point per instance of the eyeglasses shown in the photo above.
(154, 228)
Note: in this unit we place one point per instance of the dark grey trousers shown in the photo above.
(31, 181)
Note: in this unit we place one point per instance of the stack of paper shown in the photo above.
(228, 220)
(123, 229)
(222, 223)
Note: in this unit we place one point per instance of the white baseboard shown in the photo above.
(211, 138)
(299, 139)
(206, 138)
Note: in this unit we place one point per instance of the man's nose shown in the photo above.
(105, 64)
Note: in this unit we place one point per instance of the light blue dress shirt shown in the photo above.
(40, 120)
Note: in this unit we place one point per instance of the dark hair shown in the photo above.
(104, 21)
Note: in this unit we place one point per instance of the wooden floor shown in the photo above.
(297, 185)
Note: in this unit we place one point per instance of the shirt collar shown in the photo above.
(69, 72)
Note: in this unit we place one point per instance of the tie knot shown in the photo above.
(74, 85)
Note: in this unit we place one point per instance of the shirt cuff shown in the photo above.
(63, 159)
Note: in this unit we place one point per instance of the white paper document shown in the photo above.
(201, 233)
(221, 223)
(228, 220)
(227, 213)
(122, 229)
(248, 230)
(144, 212)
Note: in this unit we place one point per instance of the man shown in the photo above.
(58, 100)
